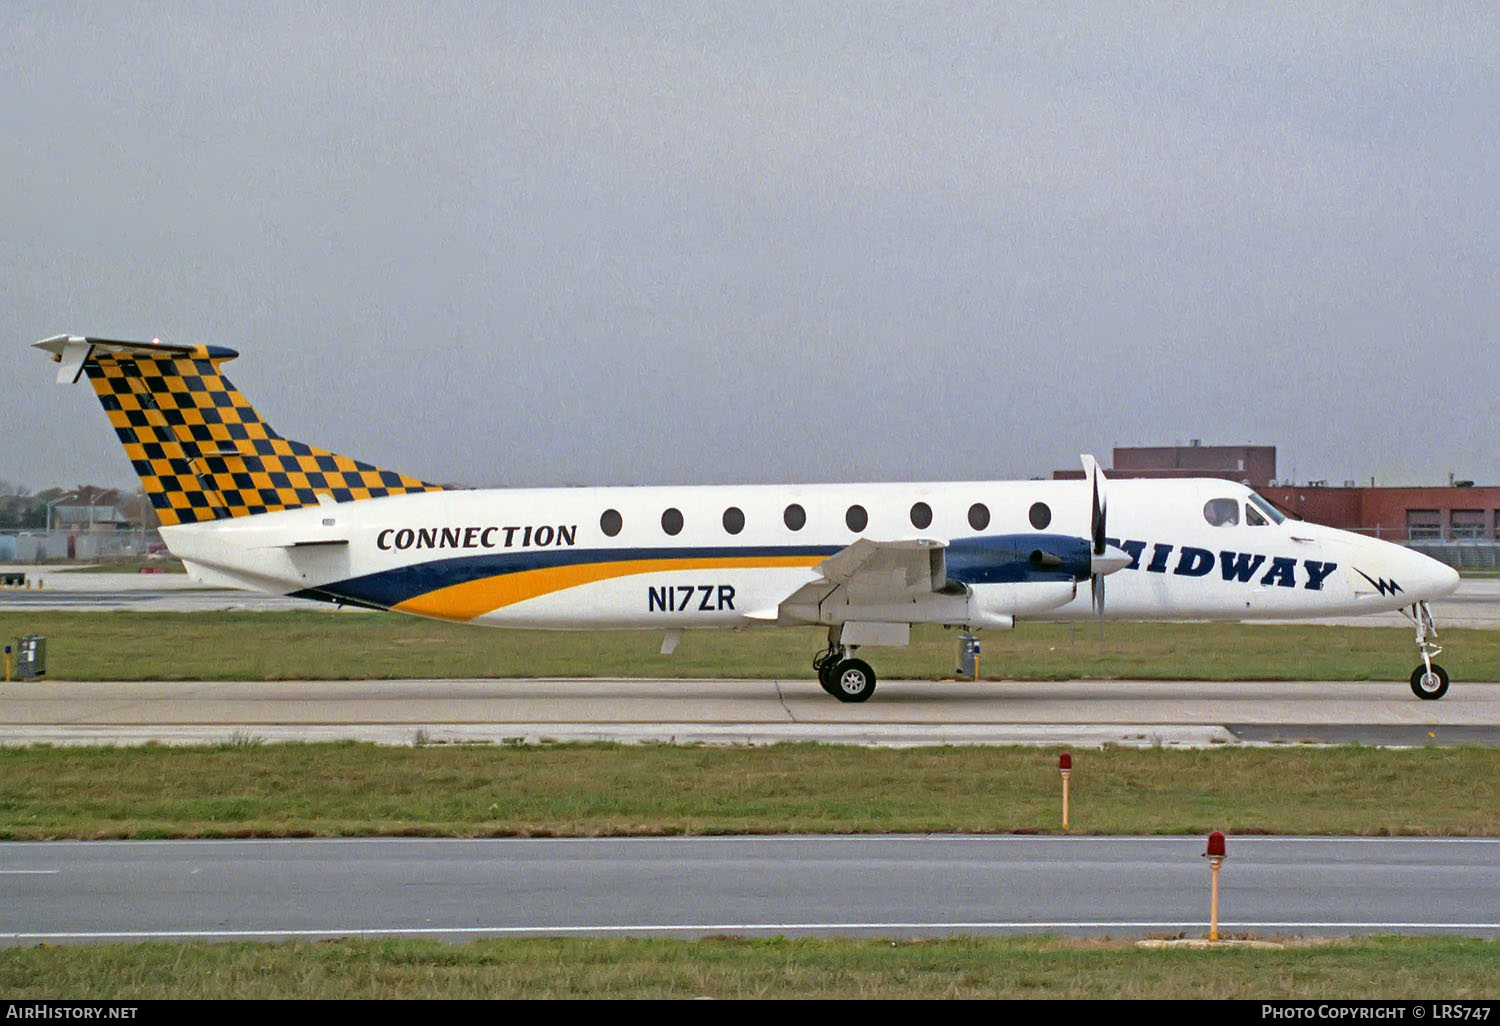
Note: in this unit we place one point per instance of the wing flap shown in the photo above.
(868, 574)
(888, 570)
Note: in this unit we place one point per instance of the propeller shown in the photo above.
(1096, 534)
(1104, 558)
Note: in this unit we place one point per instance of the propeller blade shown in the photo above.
(1105, 559)
(1097, 515)
(1098, 523)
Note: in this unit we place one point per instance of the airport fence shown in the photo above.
(1467, 554)
(59, 546)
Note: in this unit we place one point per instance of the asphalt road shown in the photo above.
(98, 891)
(1077, 713)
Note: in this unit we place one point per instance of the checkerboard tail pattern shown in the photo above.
(203, 453)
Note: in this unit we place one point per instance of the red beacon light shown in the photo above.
(1215, 856)
(1215, 845)
(1065, 764)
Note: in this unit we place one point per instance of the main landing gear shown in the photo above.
(842, 676)
(1429, 680)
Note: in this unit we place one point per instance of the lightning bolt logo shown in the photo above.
(1381, 584)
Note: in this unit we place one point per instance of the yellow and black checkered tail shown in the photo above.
(200, 449)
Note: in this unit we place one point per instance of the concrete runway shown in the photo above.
(1079, 713)
(108, 891)
(1074, 713)
(455, 889)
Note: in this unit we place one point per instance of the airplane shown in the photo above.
(245, 507)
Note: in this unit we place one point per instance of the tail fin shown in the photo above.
(199, 448)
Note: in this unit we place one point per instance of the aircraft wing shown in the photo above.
(870, 573)
(887, 571)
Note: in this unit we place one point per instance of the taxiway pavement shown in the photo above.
(693, 886)
(1077, 713)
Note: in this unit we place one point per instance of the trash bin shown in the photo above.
(31, 657)
(968, 650)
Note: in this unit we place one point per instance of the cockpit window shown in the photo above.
(1265, 507)
(1222, 512)
(1253, 517)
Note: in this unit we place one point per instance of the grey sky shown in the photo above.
(547, 244)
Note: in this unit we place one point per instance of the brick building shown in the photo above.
(1452, 513)
(1455, 512)
(1253, 465)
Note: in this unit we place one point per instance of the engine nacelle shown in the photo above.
(977, 605)
(998, 605)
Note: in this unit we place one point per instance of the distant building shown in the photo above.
(88, 518)
(1457, 512)
(1253, 465)
(1443, 513)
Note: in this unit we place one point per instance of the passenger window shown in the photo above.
(1253, 517)
(979, 516)
(921, 516)
(734, 520)
(1040, 516)
(671, 521)
(611, 522)
(1222, 512)
(795, 517)
(856, 518)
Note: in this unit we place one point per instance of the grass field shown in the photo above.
(1367, 969)
(251, 789)
(349, 789)
(317, 645)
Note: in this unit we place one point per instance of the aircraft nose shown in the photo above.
(1431, 578)
(1395, 572)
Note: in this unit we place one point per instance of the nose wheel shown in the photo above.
(1429, 681)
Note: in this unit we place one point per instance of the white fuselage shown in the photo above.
(543, 557)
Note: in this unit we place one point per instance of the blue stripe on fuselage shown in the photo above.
(989, 560)
(391, 587)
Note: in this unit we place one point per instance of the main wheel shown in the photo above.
(854, 681)
(1429, 686)
(826, 676)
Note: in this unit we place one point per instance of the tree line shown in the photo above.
(21, 509)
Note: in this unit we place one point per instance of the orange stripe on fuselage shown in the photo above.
(475, 598)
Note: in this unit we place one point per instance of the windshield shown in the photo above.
(1265, 507)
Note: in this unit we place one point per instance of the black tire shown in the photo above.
(1429, 688)
(853, 681)
(826, 678)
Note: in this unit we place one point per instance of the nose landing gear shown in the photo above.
(1429, 681)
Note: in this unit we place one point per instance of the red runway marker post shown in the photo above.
(1065, 765)
(1215, 856)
